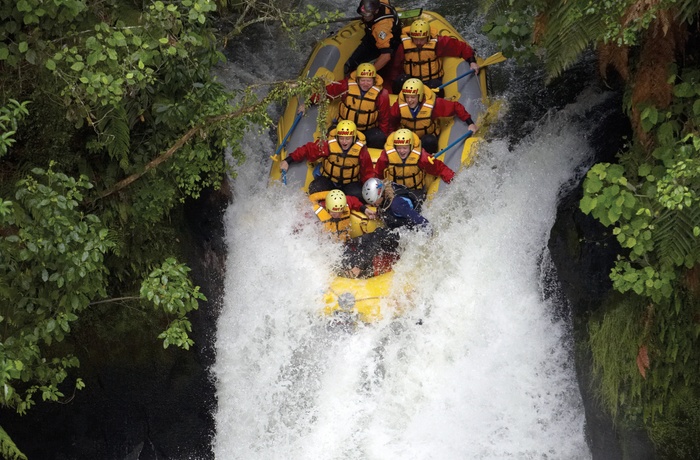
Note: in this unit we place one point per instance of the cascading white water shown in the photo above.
(487, 375)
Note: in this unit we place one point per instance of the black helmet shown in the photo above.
(369, 7)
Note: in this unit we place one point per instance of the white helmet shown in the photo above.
(372, 191)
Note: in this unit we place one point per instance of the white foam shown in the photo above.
(489, 373)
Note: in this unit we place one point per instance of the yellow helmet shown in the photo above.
(336, 201)
(419, 29)
(413, 87)
(366, 70)
(403, 137)
(346, 128)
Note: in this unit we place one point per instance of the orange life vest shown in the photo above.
(342, 168)
(422, 63)
(362, 109)
(405, 172)
(423, 123)
(339, 228)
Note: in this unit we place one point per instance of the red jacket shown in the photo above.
(312, 151)
(436, 167)
(340, 89)
(443, 108)
(446, 47)
(354, 203)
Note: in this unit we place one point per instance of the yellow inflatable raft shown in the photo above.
(364, 299)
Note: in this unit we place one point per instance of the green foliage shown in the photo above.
(52, 266)
(240, 16)
(10, 116)
(678, 437)
(127, 123)
(169, 288)
(653, 203)
(633, 331)
(309, 18)
(8, 449)
(614, 340)
(510, 26)
(558, 31)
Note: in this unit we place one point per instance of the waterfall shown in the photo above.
(478, 366)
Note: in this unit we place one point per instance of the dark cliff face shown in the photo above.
(141, 401)
(583, 252)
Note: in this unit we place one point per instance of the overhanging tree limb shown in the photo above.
(282, 91)
(165, 156)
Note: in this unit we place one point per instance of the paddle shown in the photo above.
(460, 139)
(494, 59)
(289, 133)
(297, 118)
(407, 14)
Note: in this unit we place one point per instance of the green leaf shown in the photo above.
(684, 90)
(614, 214)
(696, 108)
(24, 6)
(588, 204)
(23, 47)
(78, 66)
(50, 64)
(592, 184)
(650, 114)
(644, 170)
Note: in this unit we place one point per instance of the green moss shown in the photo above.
(645, 366)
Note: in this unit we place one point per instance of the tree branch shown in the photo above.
(175, 147)
(116, 299)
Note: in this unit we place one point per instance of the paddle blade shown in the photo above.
(493, 59)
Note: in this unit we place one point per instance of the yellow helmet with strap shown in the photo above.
(403, 137)
(419, 29)
(336, 201)
(346, 128)
(413, 87)
(366, 70)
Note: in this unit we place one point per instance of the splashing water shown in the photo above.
(487, 375)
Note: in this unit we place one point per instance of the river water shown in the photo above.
(487, 374)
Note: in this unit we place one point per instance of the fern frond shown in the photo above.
(688, 10)
(8, 449)
(567, 35)
(115, 135)
(674, 239)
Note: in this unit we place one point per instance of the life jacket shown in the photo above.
(422, 63)
(385, 11)
(405, 172)
(339, 228)
(342, 167)
(362, 109)
(423, 123)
